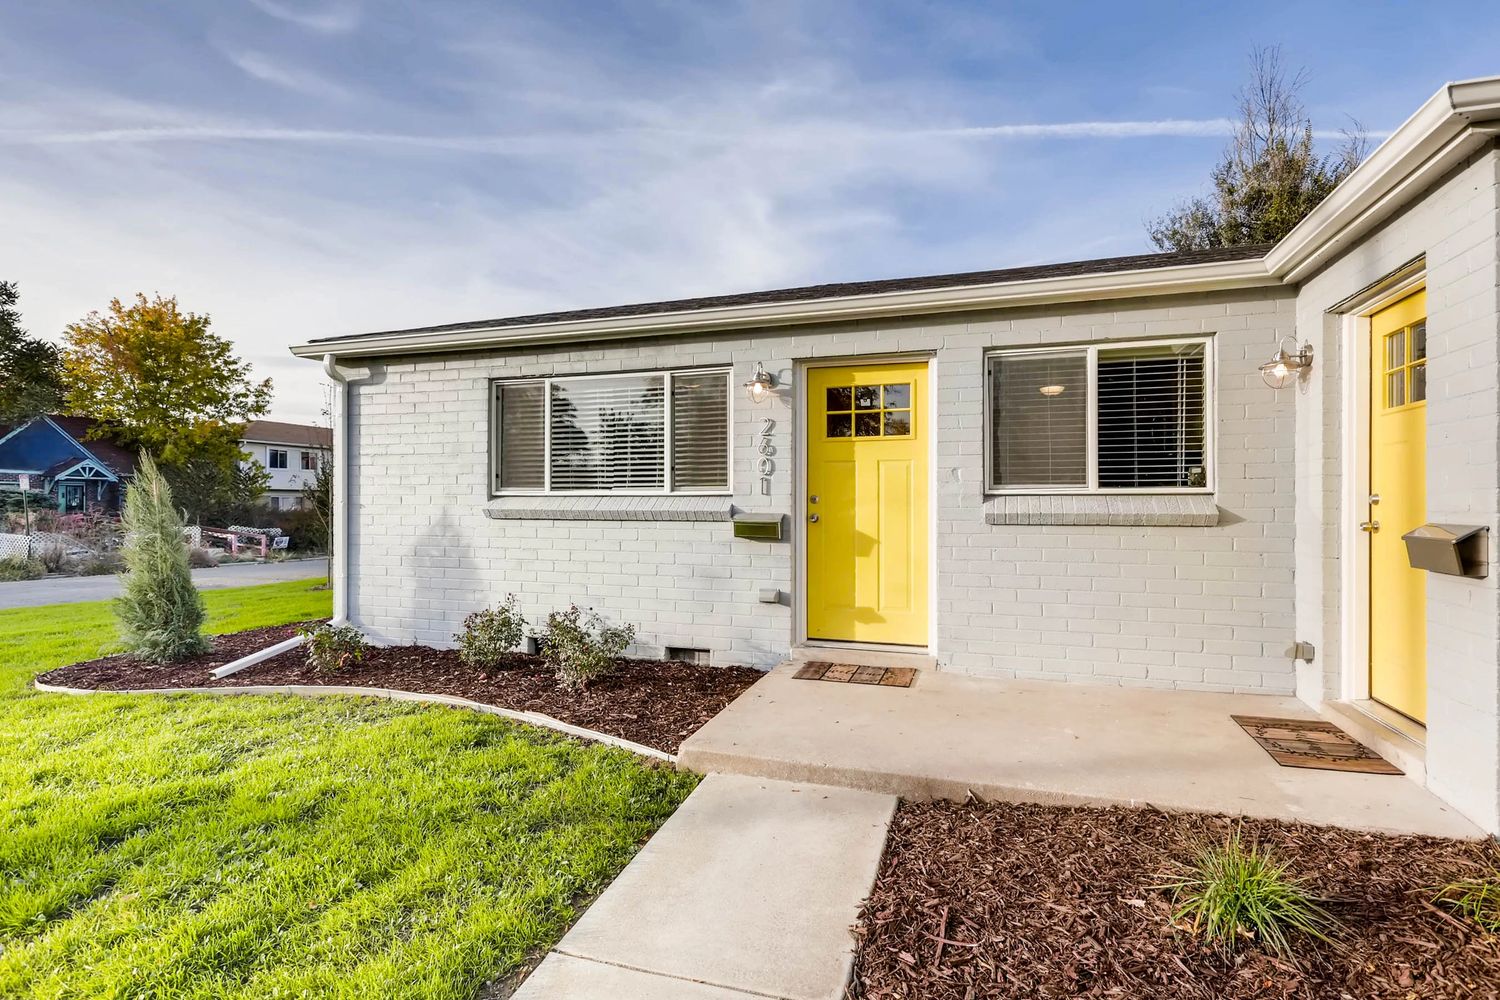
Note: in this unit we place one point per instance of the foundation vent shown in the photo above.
(687, 654)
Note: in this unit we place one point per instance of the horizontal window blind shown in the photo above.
(1039, 414)
(1151, 417)
(608, 433)
(522, 448)
(700, 431)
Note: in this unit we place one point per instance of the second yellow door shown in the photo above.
(1398, 503)
(867, 503)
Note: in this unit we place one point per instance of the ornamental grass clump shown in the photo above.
(581, 646)
(1232, 891)
(1477, 899)
(331, 648)
(490, 633)
(160, 612)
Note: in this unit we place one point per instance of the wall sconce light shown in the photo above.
(760, 384)
(1284, 365)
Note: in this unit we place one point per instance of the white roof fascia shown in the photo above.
(1071, 288)
(1440, 135)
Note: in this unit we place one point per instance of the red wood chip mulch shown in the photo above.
(658, 703)
(983, 901)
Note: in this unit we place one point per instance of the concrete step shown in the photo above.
(863, 656)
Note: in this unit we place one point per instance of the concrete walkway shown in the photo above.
(749, 890)
(71, 589)
(1039, 741)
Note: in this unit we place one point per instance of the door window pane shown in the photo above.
(898, 397)
(1395, 388)
(1395, 350)
(867, 425)
(1418, 383)
(840, 398)
(1419, 341)
(839, 425)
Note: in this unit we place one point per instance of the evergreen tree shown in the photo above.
(30, 368)
(161, 613)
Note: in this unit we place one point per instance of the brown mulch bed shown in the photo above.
(658, 703)
(983, 900)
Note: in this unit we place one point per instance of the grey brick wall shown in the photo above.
(1455, 225)
(1161, 605)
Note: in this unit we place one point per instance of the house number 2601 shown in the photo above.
(765, 465)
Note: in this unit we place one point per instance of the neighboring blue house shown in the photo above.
(53, 455)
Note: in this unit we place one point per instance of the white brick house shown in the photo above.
(1073, 472)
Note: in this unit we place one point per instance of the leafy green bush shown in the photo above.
(1478, 899)
(1232, 891)
(581, 646)
(331, 648)
(490, 633)
(160, 612)
(21, 568)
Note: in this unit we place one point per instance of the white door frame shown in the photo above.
(799, 487)
(1354, 548)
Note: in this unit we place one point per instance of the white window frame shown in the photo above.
(286, 459)
(1091, 352)
(546, 382)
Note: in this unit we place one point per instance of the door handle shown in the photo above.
(1369, 526)
(813, 518)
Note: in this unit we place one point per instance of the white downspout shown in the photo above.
(340, 570)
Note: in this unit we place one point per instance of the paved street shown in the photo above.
(69, 589)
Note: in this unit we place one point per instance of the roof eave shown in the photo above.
(1186, 278)
(1449, 127)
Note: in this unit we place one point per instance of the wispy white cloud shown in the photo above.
(267, 69)
(328, 19)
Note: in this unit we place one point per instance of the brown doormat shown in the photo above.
(1316, 744)
(848, 673)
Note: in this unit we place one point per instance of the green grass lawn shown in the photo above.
(199, 846)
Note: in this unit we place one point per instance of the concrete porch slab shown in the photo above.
(1040, 741)
(749, 889)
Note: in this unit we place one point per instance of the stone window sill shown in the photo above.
(1131, 510)
(607, 508)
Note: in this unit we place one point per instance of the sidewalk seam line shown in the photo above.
(669, 975)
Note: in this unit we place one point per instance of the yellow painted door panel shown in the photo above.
(1398, 477)
(867, 503)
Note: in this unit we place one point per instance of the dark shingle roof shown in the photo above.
(807, 293)
(120, 459)
(276, 432)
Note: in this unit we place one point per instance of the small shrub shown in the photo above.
(1477, 899)
(21, 568)
(581, 646)
(99, 564)
(160, 612)
(53, 556)
(490, 633)
(331, 648)
(202, 558)
(1232, 891)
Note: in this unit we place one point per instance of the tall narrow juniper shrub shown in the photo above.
(160, 612)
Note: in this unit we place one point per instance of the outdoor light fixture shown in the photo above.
(760, 384)
(1284, 365)
(1052, 390)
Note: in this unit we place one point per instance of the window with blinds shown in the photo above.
(1039, 416)
(1151, 426)
(1130, 417)
(656, 432)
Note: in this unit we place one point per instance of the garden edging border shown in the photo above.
(452, 701)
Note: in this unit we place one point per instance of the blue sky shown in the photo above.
(299, 168)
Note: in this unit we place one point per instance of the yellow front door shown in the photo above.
(1398, 503)
(867, 503)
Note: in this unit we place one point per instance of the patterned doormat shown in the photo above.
(1316, 744)
(848, 673)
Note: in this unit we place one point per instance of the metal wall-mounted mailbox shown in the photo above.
(1454, 549)
(758, 527)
